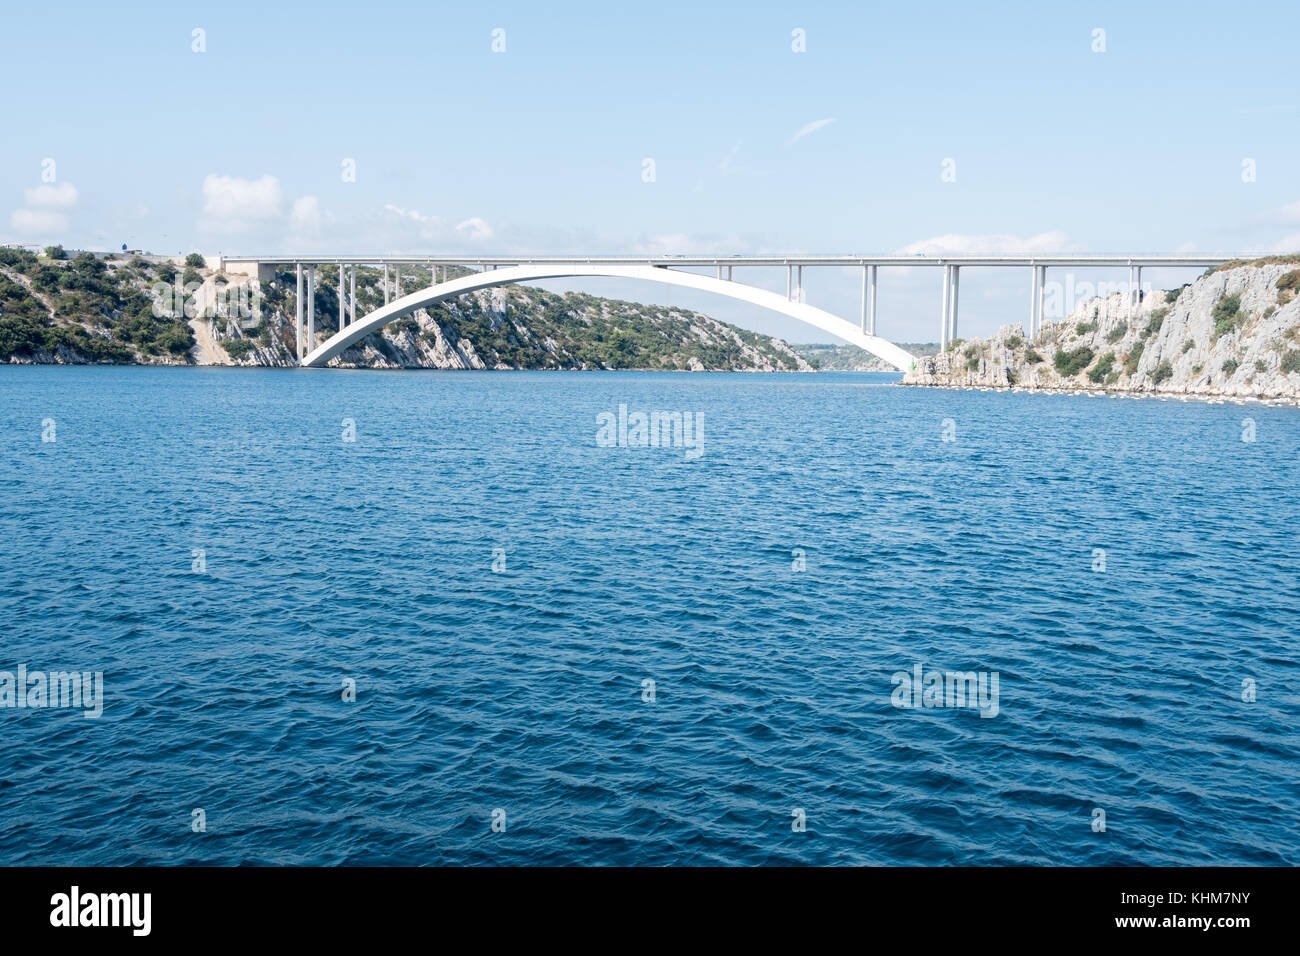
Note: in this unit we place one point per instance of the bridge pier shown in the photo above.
(952, 305)
(789, 280)
(943, 316)
(311, 307)
(343, 289)
(297, 308)
(397, 282)
(352, 296)
(385, 283)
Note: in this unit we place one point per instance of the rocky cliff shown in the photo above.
(1233, 333)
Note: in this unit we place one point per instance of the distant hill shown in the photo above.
(850, 358)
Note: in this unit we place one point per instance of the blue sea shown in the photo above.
(354, 617)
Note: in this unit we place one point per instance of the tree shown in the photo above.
(195, 261)
(55, 252)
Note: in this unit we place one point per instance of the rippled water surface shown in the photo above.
(522, 688)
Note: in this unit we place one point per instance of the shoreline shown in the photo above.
(1207, 398)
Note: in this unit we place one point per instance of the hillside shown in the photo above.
(93, 309)
(1233, 333)
(843, 357)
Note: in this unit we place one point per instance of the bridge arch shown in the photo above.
(762, 298)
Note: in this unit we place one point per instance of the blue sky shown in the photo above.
(541, 148)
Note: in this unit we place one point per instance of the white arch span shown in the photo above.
(377, 319)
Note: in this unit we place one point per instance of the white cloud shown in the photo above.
(812, 127)
(45, 210)
(233, 205)
(475, 228)
(955, 244)
(47, 196)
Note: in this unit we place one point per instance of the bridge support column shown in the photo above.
(871, 312)
(311, 307)
(385, 283)
(864, 298)
(728, 273)
(343, 292)
(352, 297)
(952, 304)
(397, 283)
(943, 316)
(1137, 291)
(297, 307)
(789, 280)
(1033, 298)
(798, 286)
(1042, 293)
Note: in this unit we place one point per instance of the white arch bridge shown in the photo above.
(673, 270)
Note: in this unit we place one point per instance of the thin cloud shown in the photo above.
(812, 127)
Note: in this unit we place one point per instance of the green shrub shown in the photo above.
(1083, 328)
(1015, 341)
(1230, 366)
(1290, 281)
(195, 261)
(1105, 365)
(1071, 363)
(1291, 362)
(971, 351)
(1117, 333)
(1227, 315)
(1164, 371)
(191, 276)
(973, 363)
(237, 348)
(1172, 295)
(1032, 357)
(55, 252)
(1155, 322)
(1260, 365)
(1188, 345)
(1134, 356)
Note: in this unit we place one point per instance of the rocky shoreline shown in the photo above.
(1232, 335)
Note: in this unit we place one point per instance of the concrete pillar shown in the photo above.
(871, 313)
(385, 283)
(952, 306)
(943, 318)
(1042, 291)
(352, 298)
(1033, 299)
(311, 307)
(719, 270)
(343, 293)
(433, 273)
(864, 298)
(798, 286)
(297, 299)
(1137, 291)
(397, 283)
(728, 273)
(789, 280)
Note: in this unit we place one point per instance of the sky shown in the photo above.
(693, 128)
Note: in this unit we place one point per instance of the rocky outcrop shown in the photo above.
(1233, 333)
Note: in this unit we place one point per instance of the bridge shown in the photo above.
(491, 271)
